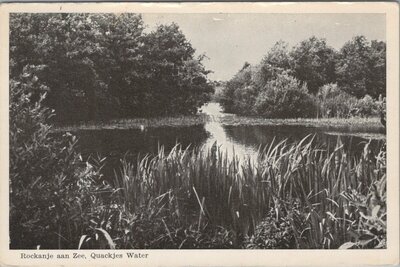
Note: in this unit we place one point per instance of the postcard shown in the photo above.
(199, 134)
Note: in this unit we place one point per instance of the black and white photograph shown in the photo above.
(198, 130)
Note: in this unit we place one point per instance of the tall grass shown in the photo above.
(327, 198)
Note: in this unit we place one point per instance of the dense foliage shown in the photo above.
(58, 200)
(99, 66)
(361, 67)
(325, 82)
(313, 62)
(296, 195)
(284, 97)
(52, 191)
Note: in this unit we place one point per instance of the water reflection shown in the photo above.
(245, 140)
(217, 133)
(241, 140)
(133, 143)
(261, 136)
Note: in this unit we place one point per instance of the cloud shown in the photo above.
(217, 19)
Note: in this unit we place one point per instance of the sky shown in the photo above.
(229, 40)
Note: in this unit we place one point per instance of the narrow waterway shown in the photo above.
(241, 140)
(246, 140)
(217, 134)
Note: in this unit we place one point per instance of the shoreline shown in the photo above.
(364, 125)
(136, 123)
(355, 123)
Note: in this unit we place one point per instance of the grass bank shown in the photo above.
(356, 124)
(136, 123)
(371, 124)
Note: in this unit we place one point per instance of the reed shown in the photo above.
(329, 197)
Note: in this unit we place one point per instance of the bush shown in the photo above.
(366, 107)
(274, 232)
(284, 97)
(156, 223)
(370, 210)
(358, 68)
(267, 91)
(333, 102)
(51, 188)
(156, 227)
(240, 93)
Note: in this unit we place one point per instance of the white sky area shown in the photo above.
(231, 39)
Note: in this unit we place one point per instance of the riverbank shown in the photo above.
(136, 123)
(352, 124)
(366, 125)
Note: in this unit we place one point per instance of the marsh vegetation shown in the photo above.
(114, 142)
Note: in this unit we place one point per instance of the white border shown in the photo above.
(388, 256)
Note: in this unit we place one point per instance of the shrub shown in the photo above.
(284, 97)
(381, 105)
(240, 93)
(274, 232)
(245, 99)
(155, 221)
(358, 68)
(366, 107)
(51, 188)
(267, 91)
(333, 102)
(157, 227)
(369, 209)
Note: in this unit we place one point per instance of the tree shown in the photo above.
(277, 60)
(361, 67)
(195, 88)
(67, 45)
(100, 66)
(314, 63)
(122, 65)
(285, 97)
(240, 93)
(376, 83)
(171, 69)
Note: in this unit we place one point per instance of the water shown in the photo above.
(241, 140)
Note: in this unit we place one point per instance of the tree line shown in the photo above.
(101, 66)
(311, 79)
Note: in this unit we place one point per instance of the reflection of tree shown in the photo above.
(256, 135)
(262, 135)
(117, 144)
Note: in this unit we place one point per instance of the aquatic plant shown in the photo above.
(304, 183)
(295, 195)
